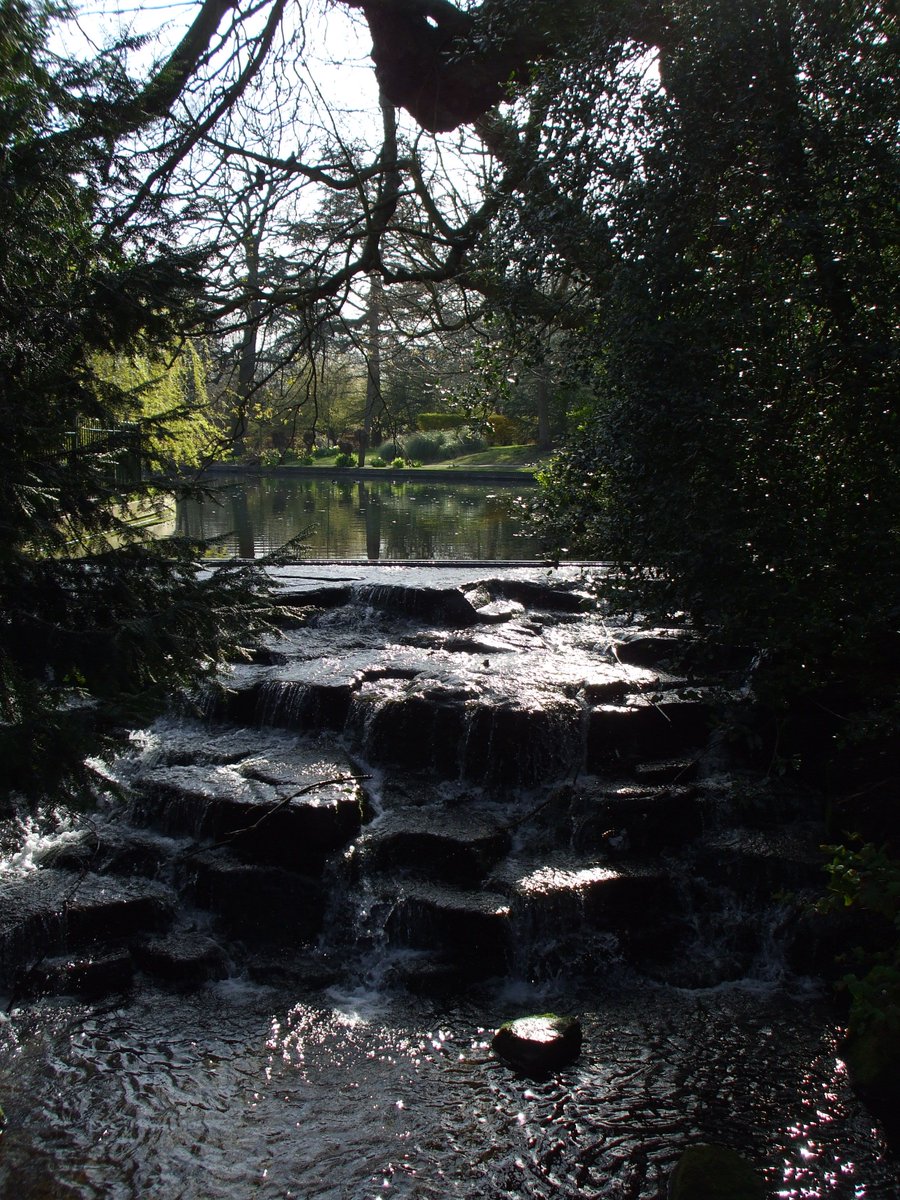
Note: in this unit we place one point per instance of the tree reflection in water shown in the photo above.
(363, 519)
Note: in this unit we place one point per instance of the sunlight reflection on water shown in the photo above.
(241, 1090)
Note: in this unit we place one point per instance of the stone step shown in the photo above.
(671, 770)
(532, 594)
(441, 606)
(444, 844)
(758, 863)
(460, 734)
(50, 912)
(113, 849)
(564, 888)
(471, 928)
(256, 903)
(284, 806)
(623, 819)
(624, 735)
(90, 975)
(309, 705)
(185, 958)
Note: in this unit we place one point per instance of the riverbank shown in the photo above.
(499, 464)
(469, 474)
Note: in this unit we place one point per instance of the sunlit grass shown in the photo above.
(508, 458)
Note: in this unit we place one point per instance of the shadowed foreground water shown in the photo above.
(240, 1091)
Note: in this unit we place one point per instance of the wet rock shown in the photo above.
(187, 959)
(673, 770)
(258, 903)
(606, 691)
(51, 912)
(403, 728)
(633, 818)
(498, 612)
(710, 1172)
(434, 976)
(546, 596)
(565, 891)
(460, 644)
(470, 927)
(641, 729)
(458, 847)
(325, 596)
(93, 975)
(284, 808)
(539, 1045)
(111, 850)
(309, 705)
(266, 656)
(305, 970)
(443, 606)
(513, 745)
(663, 647)
(761, 862)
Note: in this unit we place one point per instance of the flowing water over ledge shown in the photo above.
(302, 1004)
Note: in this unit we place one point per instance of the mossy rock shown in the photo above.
(539, 1045)
(710, 1172)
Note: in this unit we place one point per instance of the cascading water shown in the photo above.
(312, 926)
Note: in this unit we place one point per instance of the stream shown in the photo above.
(272, 962)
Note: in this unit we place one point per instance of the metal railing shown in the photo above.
(116, 451)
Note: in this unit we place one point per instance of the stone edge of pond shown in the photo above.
(526, 478)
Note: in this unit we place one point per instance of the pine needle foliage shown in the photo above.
(97, 629)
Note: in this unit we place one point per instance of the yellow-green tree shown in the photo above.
(165, 393)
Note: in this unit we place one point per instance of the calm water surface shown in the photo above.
(364, 519)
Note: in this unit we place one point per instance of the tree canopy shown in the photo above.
(683, 210)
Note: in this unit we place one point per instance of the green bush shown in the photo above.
(427, 447)
(504, 430)
(464, 441)
(431, 422)
(377, 461)
(344, 460)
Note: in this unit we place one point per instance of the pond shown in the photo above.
(365, 519)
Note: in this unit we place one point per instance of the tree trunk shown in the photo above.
(373, 363)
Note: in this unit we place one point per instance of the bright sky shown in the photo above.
(337, 41)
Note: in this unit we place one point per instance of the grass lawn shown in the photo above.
(509, 457)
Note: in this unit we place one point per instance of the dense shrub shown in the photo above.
(504, 430)
(427, 447)
(432, 422)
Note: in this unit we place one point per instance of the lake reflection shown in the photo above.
(363, 519)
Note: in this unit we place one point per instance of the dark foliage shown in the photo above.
(96, 630)
(743, 446)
